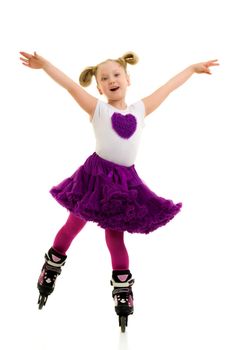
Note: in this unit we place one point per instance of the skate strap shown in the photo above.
(53, 268)
(52, 263)
(120, 291)
(129, 283)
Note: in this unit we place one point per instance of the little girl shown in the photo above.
(106, 189)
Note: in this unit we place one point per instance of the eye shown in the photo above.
(117, 74)
(103, 78)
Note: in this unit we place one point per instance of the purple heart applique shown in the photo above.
(124, 125)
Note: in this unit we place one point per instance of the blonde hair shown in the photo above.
(87, 74)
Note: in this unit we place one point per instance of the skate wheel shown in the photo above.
(42, 301)
(123, 322)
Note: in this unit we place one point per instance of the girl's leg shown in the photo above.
(117, 249)
(122, 280)
(56, 257)
(67, 233)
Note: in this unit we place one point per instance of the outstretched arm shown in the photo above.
(85, 100)
(153, 101)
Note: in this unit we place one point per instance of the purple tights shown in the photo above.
(114, 240)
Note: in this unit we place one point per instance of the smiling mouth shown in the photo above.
(114, 89)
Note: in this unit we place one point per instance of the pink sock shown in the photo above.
(117, 249)
(67, 233)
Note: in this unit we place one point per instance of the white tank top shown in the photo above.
(118, 131)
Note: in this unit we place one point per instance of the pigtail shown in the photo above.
(86, 76)
(130, 57)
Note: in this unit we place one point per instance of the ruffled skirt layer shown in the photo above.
(114, 197)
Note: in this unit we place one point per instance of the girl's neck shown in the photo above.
(119, 104)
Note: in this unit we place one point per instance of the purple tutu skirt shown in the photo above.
(113, 196)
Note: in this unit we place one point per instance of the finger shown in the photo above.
(24, 59)
(25, 54)
(28, 56)
(213, 63)
(206, 68)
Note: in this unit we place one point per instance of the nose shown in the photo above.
(112, 80)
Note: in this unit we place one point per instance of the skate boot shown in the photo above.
(123, 296)
(50, 270)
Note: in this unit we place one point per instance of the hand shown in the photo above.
(203, 67)
(33, 61)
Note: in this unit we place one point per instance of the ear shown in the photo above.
(100, 91)
(128, 79)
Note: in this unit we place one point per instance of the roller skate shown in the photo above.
(50, 270)
(123, 296)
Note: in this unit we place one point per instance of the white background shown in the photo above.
(192, 276)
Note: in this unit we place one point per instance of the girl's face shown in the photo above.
(112, 80)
